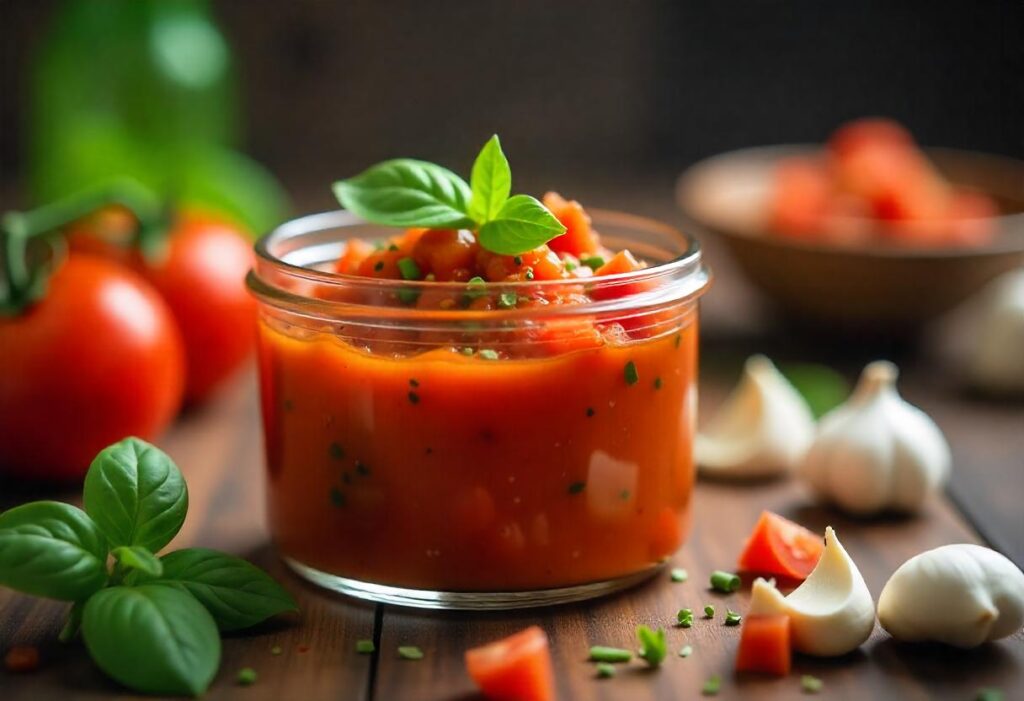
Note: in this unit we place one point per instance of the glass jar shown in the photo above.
(457, 456)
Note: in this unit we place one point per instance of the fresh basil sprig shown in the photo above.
(149, 622)
(404, 192)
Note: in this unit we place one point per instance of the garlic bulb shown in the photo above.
(876, 451)
(831, 613)
(763, 429)
(998, 362)
(962, 595)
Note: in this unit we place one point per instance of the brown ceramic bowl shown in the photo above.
(859, 288)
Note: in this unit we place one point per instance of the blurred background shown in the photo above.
(610, 90)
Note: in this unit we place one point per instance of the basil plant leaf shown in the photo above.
(237, 593)
(523, 223)
(52, 549)
(491, 182)
(137, 558)
(152, 638)
(406, 192)
(136, 495)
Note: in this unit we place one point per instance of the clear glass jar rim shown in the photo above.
(684, 276)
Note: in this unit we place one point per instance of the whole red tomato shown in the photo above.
(99, 358)
(201, 275)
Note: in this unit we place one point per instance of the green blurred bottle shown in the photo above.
(144, 88)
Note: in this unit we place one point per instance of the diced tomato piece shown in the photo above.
(539, 264)
(447, 253)
(800, 197)
(406, 243)
(356, 251)
(579, 236)
(621, 262)
(382, 264)
(779, 546)
(764, 645)
(869, 132)
(516, 668)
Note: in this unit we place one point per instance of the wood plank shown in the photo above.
(219, 448)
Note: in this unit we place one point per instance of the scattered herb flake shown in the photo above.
(247, 676)
(414, 398)
(678, 574)
(813, 685)
(408, 296)
(624, 495)
(592, 262)
(685, 617)
(590, 411)
(337, 497)
(410, 652)
(679, 338)
(725, 582)
(657, 383)
(577, 487)
(362, 469)
(507, 300)
(631, 374)
(602, 653)
(476, 286)
(276, 650)
(466, 351)
(289, 405)
(712, 686)
(732, 618)
(488, 354)
(605, 670)
(413, 382)
(393, 248)
(653, 647)
(346, 478)
(378, 266)
(409, 270)
(686, 651)
(336, 451)
(365, 647)
(529, 274)
(518, 260)
(709, 611)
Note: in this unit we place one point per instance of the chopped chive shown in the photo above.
(408, 296)
(570, 265)
(712, 686)
(653, 647)
(709, 611)
(346, 478)
(813, 685)
(414, 398)
(679, 338)
(476, 286)
(276, 650)
(430, 277)
(686, 651)
(413, 382)
(336, 451)
(507, 300)
(518, 260)
(289, 405)
(365, 647)
(409, 270)
(337, 497)
(247, 676)
(631, 374)
(410, 652)
(488, 354)
(362, 469)
(529, 274)
(577, 487)
(685, 617)
(732, 618)
(592, 262)
(378, 266)
(392, 248)
(657, 383)
(590, 411)
(624, 495)
(678, 574)
(605, 670)
(466, 351)
(726, 582)
(602, 653)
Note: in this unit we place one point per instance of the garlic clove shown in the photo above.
(961, 595)
(831, 613)
(997, 363)
(763, 429)
(876, 451)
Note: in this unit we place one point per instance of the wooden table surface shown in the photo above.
(219, 448)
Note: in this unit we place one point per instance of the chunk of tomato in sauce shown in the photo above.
(450, 254)
(764, 646)
(579, 237)
(356, 251)
(621, 262)
(382, 264)
(779, 546)
(516, 668)
(539, 264)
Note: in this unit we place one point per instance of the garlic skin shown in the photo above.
(961, 595)
(763, 429)
(831, 613)
(877, 452)
(997, 363)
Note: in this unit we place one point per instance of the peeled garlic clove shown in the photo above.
(876, 451)
(998, 363)
(763, 428)
(962, 595)
(831, 613)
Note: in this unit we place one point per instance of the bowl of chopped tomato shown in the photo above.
(867, 233)
(451, 427)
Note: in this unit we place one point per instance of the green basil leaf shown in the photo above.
(136, 495)
(523, 223)
(491, 182)
(237, 593)
(52, 549)
(153, 639)
(405, 192)
(138, 558)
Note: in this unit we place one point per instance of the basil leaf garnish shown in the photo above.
(523, 224)
(152, 638)
(491, 182)
(237, 593)
(135, 558)
(51, 549)
(406, 192)
(136, 495)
